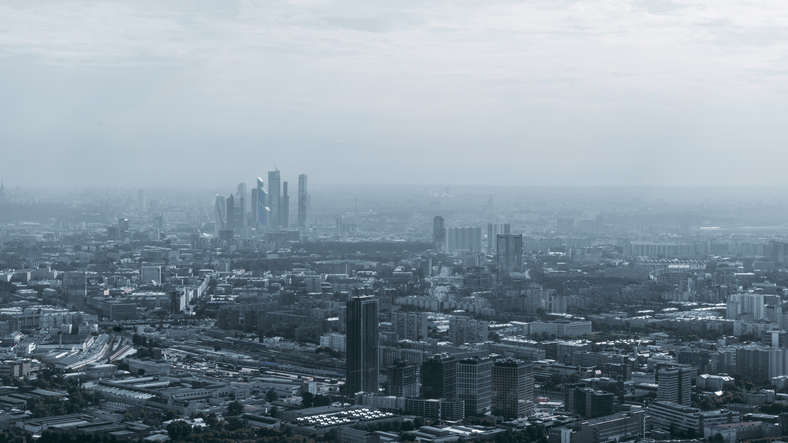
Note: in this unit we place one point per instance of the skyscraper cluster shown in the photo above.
(269, 209)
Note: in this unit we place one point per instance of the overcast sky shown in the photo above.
(649, 92)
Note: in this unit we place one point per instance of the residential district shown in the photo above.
(390, 315)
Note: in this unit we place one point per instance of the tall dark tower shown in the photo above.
(285, 209)
(438, 234)
(439, 377)
(302, 201)
(363, 353)
(230, 212)
(274, 198)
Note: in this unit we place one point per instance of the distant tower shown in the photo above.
(219, 212)
(438, 234)
(285, 209)
(274, 197)
(141, 200)
(230, 213)
(302, 201)
(510, 253)
(241, 205)
(2, 190)
(363, 354)
(261, 208)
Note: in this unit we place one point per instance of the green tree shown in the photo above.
(271, 395)
(178, 430)
(235, 408)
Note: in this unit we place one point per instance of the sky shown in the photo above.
(541, 92)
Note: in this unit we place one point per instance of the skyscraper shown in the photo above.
(512, 388)
(362, 345)
(302, 201)
(439, 377)
(510, 253)
(220, 207)
(230, 213)
(438, 234)
(274, 198)
(284, 221)
(241, 204)
(261, 213)
(474, 384)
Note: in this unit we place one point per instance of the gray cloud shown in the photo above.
(615, 92)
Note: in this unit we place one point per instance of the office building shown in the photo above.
(403, 379)
(302, 201)
(285, 209)
(512, 388)
(587, 402)
(439, 377)
(274, 198)
(674, 384)
(510, 253)
(363, 353)
(474, 384)
(220, 208)
(438, 234)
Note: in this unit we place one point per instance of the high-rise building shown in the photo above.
(403, 379)
(474, 384)
(274, 198)
(438, 234)
(2, 192)
(512, 388)
(363, 352)
(587, 402)
(439, 377)
(410, 325)
(302, 201)
(261, 208)
(123, 227)
(220, 208)
(673, 384)
(467, 330)
(493, 231)
(230, 213)
(241, 221)
(510, 253)
(284, 221)
(141, 200)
